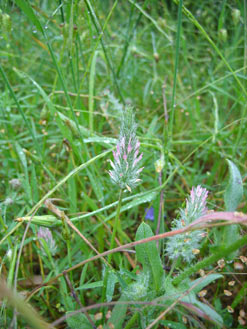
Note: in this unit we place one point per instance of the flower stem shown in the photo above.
(116, 224)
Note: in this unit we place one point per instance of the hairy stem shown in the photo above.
(116, 224)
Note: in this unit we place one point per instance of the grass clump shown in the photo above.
(72, 74)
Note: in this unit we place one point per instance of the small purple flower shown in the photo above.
(149, 214)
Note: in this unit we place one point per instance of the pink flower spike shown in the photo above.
(140, 157)
(110, 173)
(122, 143)
(116, 157)
(125, 157)
(137, 160)
(118, 149)
(192, 194)
(136, 153)
(112, 164)
(129, 146)
(137, 145)
(140, 170)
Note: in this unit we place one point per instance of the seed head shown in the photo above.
(188, 246)
(195, 204)
(126, 166)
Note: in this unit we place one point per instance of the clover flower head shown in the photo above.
(45, 235)
(126, 166)
(195, 204)
(187, 245)
(15, 183)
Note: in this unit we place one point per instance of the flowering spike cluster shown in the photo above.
(125, 168)
(44, 234)
(195, 204)
(188, 245)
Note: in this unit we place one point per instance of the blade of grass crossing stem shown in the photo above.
(127, 40)
(27, 9)
(11, 272)
(204, 33)
(5, 79)
(91, 91)
(34, 184)
(23, 160)
(245, 35)
(171, 122)
(72, 191)
(151, 20)
(100, 35)
(71, 174)
(107, 56)
(49, 103)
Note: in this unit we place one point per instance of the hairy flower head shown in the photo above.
(185, 245)
(45, 235)
(126, 166)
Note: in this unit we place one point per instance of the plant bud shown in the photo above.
(159, 164)
(6, 23)
(15, 183)
(236, 16)
(156, 57)
(223, 35)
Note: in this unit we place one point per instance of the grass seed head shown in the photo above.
(126, 165)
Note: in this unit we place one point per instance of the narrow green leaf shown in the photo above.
(72, 189)
(134, 203)
(242, 293)
(91, 91)
(172, 324)
(21, 155)
(208, 279)
(72, 125)
(234, 189)
(78, 321)
(111, 282)
(213, 315)
(118, 314)
(72, 173)
(12, 266)
(23, 160)
(101, 140)
(34, 184)
(232, 198)
(28, 10)
(91, 285)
